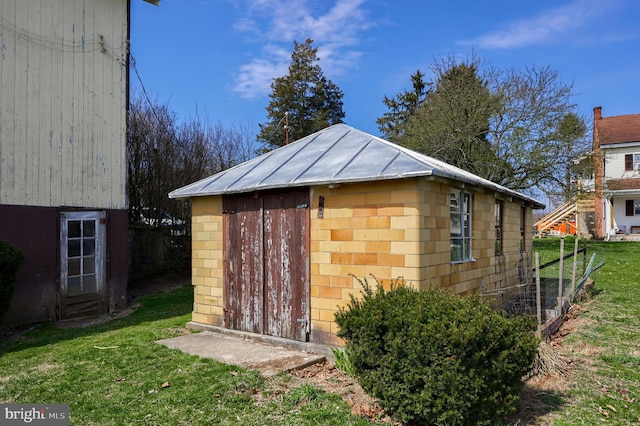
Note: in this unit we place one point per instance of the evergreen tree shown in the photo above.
(311, 101)
(404, 105)
(453, 122)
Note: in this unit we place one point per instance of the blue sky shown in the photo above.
(217, 58)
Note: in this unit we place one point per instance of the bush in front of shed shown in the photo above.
(431, 357)
(11, 259)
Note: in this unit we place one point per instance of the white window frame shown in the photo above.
(635, 161)
(460, 208)
(499, 226)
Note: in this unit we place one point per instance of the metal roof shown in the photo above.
(336, 154)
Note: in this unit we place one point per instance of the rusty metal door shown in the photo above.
(266, 263)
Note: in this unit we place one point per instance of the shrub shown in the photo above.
(431, 357)
(11, 259)
(343, 360)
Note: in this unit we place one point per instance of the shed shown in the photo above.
(283, 240)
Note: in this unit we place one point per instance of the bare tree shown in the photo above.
(163, 155)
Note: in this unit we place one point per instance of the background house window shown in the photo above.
(498, 244)
(460, 212)
(632, 207)
(632, 161)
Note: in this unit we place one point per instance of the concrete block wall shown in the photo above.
(207, 260)
(399, 230)
(367, 230)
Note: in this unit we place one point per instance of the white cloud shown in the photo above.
(336, 32)
(545, 27)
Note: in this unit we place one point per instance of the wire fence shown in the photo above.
(546, 290)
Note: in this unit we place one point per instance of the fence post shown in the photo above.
(538, 297)
(560, 277)
(575, 266)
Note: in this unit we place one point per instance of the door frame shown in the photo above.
(92, 304)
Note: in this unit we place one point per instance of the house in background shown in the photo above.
(281, 241)
(616, 143)
(63, 202)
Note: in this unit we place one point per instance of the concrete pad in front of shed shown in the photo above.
(268, 358)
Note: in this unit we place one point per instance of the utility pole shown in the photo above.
(286, 128)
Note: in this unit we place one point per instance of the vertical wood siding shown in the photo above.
(266, 249)
(243, 264)
(63, 98)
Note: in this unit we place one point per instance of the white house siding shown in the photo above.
(62, 114)
(614, 162)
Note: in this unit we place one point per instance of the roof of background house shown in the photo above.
(617, 129)
(336, 154)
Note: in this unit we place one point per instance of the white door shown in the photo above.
(82, 263)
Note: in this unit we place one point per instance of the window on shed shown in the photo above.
(523, 228)
(498, 215)
(460, 213)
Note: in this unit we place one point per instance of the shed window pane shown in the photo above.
(460, 218)
(498, 225)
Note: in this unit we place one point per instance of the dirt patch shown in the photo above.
(545, 392)
(327, 377)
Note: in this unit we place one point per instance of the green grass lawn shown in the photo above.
(604, 381)
(114, 374)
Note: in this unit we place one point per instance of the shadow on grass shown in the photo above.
(161, 306)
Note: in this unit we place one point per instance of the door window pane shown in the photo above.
(88, 228)
(89, 265)
(73, 229)
(88, 246)
(74, 267)
(73, 248)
